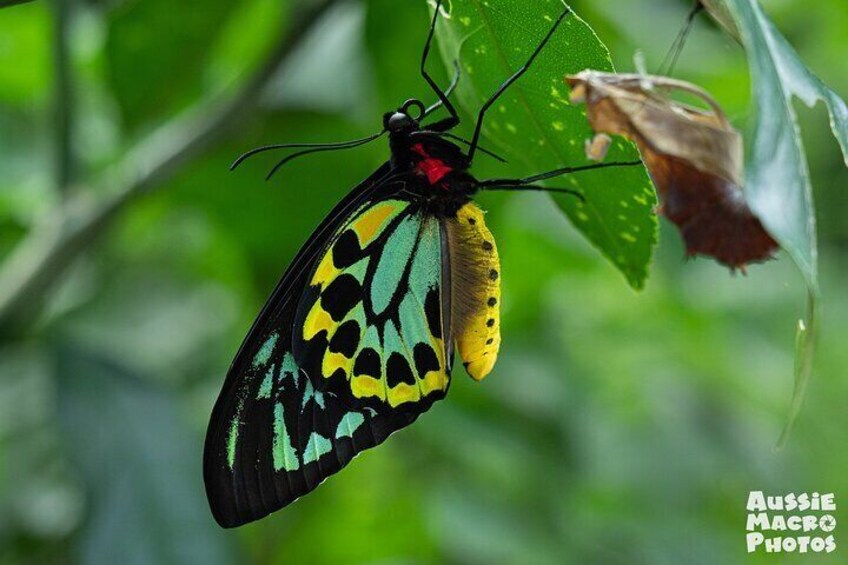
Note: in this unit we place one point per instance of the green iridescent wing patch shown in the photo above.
(370, 324)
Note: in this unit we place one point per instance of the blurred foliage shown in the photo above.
(617, 428)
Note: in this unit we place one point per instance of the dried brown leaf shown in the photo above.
(694, 156)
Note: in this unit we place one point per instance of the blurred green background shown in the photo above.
(617, 428)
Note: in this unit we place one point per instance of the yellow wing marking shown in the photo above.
(326, 271)
(364, 386)
(317, 321)
(369, 224)
(334, 361)
(403, 392)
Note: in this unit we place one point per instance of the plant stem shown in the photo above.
(8, 3)
(63, 99)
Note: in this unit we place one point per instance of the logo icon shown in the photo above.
(791, 523)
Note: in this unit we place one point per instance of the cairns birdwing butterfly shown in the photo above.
(358, 338)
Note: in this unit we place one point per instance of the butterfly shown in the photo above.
(358, 338)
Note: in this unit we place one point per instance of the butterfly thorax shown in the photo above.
(438, 171)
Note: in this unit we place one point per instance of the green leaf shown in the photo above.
(129, 444)
(23, 39)
(777, 183)
(537, 129)
(778, 180)
(805, 342)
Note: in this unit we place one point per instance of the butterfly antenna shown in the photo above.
(321, 148)
(676, 49)
(314, 147)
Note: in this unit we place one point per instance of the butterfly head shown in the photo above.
(405, 119)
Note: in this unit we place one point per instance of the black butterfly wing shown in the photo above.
(235, 496)
(275, 436)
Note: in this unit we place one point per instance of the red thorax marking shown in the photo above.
(434, 169)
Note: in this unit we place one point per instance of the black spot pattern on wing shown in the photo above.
(368, 363)
(398, 371)
(433, 310)
(291, 438)
(425, 359)
(341, 296)
(346, 250)
(346, 339)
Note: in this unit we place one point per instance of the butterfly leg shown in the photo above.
(556, 173)
(551, 174)
(503, 87)
(453, 120)
(535, 187)
(529, 183)
(449, 122)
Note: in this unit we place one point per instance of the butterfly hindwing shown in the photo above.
(370, 325)
(278, 431)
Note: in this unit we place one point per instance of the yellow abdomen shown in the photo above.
(475, 291)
